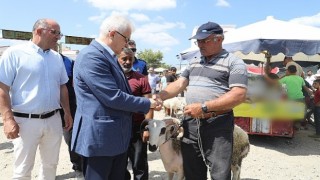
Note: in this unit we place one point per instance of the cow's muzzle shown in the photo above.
(152, 148)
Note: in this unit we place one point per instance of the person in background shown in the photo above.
(32, 88)
(172, 76)
(103, 122)
(216, 84)
(153, 80)
(139, 65)
(75, 159)
(294, 85)
(316, 85)
(163, 85)
(163, 80)
(139, 85)
(288, 61)
(310, 77)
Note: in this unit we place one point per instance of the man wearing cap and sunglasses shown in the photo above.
(217, 82)
(139, 65)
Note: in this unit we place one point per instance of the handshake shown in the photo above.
(156, 103)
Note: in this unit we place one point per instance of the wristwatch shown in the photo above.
(204, 108)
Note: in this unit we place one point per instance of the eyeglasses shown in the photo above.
(126, 39)
(54, 32)
(133, 49)
(203, 41)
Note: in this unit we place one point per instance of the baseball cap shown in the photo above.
(207, 29)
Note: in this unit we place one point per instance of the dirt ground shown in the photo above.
(270, 158)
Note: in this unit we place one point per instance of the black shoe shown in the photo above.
(77, 168)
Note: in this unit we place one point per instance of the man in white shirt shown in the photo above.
(310, 77)
(153, 80)
(32, 87)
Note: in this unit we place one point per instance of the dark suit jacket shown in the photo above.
(103, 121)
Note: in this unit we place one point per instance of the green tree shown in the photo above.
(153, 59)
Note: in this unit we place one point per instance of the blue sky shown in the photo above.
(163, 25)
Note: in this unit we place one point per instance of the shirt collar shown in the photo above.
(37, 48)
(222, 54)
(107, 48)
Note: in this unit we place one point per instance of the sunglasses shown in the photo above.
(133, 49)
(54, 32)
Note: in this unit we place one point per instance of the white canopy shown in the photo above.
(279, 57)
(275, 36)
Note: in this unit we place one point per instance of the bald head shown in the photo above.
(46, 33)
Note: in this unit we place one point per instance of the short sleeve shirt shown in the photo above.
(298, 67)
(293, 84)
(140, 66)
(317, 96)
(210, 80)
(34, 77)
(139, 86)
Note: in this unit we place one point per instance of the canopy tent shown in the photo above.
(280, 38)
(275, 36)
(279, 57)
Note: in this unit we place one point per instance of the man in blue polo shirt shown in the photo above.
(139, 65)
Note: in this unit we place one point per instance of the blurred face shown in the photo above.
(50, 35)
(309, 73)
(315, 85)
(209, 46)
(120, 40)
(151, 71)
(126, 61)
(133, 48)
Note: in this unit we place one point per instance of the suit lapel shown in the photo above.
(113, 61)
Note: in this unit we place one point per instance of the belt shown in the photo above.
(38, 116)
(214, 114)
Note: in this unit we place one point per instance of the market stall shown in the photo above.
(279, 38)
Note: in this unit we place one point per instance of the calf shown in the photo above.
(163, 134)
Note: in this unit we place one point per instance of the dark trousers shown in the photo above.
(137, 154)
(316, 114)
(75, 158)
(217, 143)
(105, 167)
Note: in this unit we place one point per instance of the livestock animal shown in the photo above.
(163, 134)
(174, 104)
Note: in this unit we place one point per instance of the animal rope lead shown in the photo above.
(200, 143)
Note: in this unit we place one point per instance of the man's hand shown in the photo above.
(68, 121)
(193, 110)
(11, 128)
(145, 136)
(156, 104)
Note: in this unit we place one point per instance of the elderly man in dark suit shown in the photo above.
(105, 104)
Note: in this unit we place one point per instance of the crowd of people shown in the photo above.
(299, 88)
(99, 102)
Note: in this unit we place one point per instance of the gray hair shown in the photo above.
(220, 35)
(115, 23)
(40, 23)
(127, 51)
